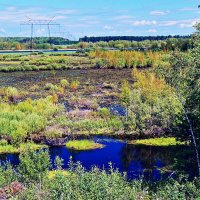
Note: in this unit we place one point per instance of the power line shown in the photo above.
(39, 22)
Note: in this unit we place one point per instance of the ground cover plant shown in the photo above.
(11, 63)
(158, 142)
(19, 120)
(11, 149)
(81, 145)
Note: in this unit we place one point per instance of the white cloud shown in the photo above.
(108, 27)
(189, 23)
(143, 23)
(152, 31)
(169, 23)
(181, 23)
(159, 12)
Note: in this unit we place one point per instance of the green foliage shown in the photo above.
(7, 148)
(9, 93)
(153, 104)
(104, 112)
(34, 166)
(51, 134)
(125, 93)
(11, 63)
(81, 145)
(64, 83)
(183, 75)
(93, 126)
(3, 142)
(158, 142)
(79, 183)
(7, 174)
(17, 121)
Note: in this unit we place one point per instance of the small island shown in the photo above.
(83, 145)
(170, 141)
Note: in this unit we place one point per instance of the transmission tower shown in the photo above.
(32, 22)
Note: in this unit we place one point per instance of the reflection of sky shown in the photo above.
(126, 160)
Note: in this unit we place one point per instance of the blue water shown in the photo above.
(136, 161)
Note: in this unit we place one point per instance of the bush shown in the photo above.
(17, 121)
(64, 83)
(74, 85)
(34, 166)
(104, 112)
(3, 142)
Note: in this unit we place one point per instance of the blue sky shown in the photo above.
(100, 17)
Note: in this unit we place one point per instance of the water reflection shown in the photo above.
(136, 161)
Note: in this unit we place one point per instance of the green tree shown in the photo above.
(183, 74)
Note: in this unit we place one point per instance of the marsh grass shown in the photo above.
(10, 149)
(170, 141)
(81, 145)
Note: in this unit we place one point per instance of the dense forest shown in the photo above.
(128, 38)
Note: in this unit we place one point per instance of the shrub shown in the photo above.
(49, 86)
(3, 142)
(51, 134)
(17, 121)
(104, 112)
(64, 83)
(74, 85)
(34, 166)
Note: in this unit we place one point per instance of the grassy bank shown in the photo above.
(81, 145)
(158, 142)
(10, 149)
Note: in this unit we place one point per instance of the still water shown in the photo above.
(151, 163)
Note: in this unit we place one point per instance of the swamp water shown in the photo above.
(151, 163)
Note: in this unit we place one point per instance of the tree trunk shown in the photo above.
(191, 133)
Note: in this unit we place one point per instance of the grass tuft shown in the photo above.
(22, 148)
(170, 141)
(81, 145)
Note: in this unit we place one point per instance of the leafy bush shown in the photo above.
(3, 142)
(64, 83)
(34, 166)
(104, 112)
(17, 121)
(74, 85)
(152, 104)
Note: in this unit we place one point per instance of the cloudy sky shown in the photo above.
(100, 17)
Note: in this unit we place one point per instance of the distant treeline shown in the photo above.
(128, 38)
(170, 44)
(21, 43)
(38, 40)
